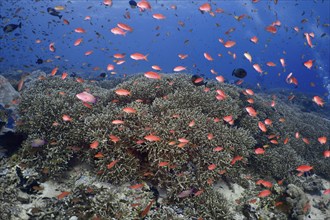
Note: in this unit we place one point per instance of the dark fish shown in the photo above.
(201, 83)
(239, 73)
(132, 3)
(11, 27)
(103, 75)
(73, 74)
(53, 12)
(39, 61)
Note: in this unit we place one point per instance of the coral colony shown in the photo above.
(167, 135)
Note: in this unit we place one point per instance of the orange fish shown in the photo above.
(249, 91)
(158, 16)
(326, 153)
(125, 27)
(326, 192)
(152, 138)
(78, 42)
(112, 164)
(20, 84)
(270, 64)
(163, 164)
(210, 136)
(118, 31)
(129, 110)
(220, 79)
(179, 68)
(66, 118)
(212, 166)
(264, 193)
(122, 92)
(251, 111)
(87, 53)
(51, 47)
(309, 40)
(62, 195)
(182, 56)
(322, 140)
(254, 39)
(137, 186)
(262, 126)
(139, 56)
(64, 75)
(229, 44)
(117, 122)
(257, 68)
(110, 67)
(114, 138)
(119, 55)
(147, 208)
(80, 30)
(268, 121)
(259, 150)
(282, 61)
(155, 67)
(208, 57)
(308, 64)
(318, 100)
(304, 168)
(107, 2)
(235, 159)
(99, 155)
(205, 7)
(94, 145)
(271, 29)
(66, 22)
(143, 5)
(152, 75)
(216, 149)
(192, 123)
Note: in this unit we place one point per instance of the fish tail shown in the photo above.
(60, 16)
(20, 25)
(146, 57)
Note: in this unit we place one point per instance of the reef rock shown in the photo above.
(7, 92)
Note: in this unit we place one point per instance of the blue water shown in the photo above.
(199, 34)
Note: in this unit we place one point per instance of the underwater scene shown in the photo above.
(164, 110)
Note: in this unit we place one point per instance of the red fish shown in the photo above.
(118, 31)
(262, 126)
(122, 92)
(309, 41)
(63, 194)
(94, 145)
(308, 64)
(147, 209)
(264, 193)
(229, 44)
(205, 7)
(235, 159)
(220, 79)
(254, 39)
(152, 138)
(271, 29)
(163, 164)
(112, 164)
(304, 168)
(212, 166)
(158, 16)
(129, 110)
(208, 57)
(318, 100)
(251, 111)
(257, 68)
(80, 30)
(326, 153)
(52, 47)
(152, 75)
(78, 42)
(125, 27)
(179, 68)
(259, 150)
(139, 56)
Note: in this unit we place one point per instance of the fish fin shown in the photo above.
(20, 25)
(60, 16)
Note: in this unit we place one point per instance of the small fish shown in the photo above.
(122, 92)
(198, 81)
(86, 97)
(94, 144)
(326, 153)
(208, 57)
(264, 193)
(129, 110)
(248, 56)
(318, 100)
(322, 140)
(239, 73)
(39, 61)
(137, 186)
(308, 64)
(211, 166)
(63, 194)
(80, 30)
(147, 208)
(11, 27)
(78, 42)
(185, 193)
(152, 138)
(163, 164)
(112, 164)
(271, 29)
(117, 122)
(257, 68)
(139, 56)
(254, 39)
(179, 68)
(229, 44)
(158, 16)
(251, 111)
(118, 31)
(262, 126)
(304, 168)
(53, 12)
(37, 142)
(259, 150)
(206, 7)
(125, 27)
(152, 75)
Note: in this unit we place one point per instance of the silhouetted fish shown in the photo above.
(53, 12)
(11, 27)
(239, 73)
(198, 80)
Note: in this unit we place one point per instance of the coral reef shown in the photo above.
(7, 92)
(170, 134)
